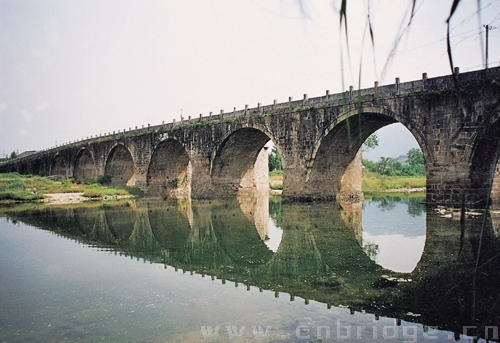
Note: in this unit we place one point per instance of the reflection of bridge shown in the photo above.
(319, 257)
(455, 124)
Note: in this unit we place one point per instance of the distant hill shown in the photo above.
(401, 159)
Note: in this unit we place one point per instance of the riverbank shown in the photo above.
(27, 188)
(372, 183)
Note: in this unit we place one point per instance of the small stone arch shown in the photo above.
(120, 166)
(169, 172)
(84, 165)
(240, 162)
(38, 167)
(59, 167)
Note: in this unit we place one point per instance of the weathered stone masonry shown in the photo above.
(455, 123)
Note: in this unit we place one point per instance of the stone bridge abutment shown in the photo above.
(454, 119)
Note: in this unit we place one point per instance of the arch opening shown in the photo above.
(85, 166)
(394, 224)
(241, 164)
(170, 171)
(337, 163)
(120, 166)
(58, 167)
(339, 171)
(38, 168)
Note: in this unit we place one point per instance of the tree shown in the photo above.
(385, 163)
(415, 157)
(274, 160)
(370, 143)
(13, 155)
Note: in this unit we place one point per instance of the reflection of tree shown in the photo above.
(371, 250)
(276, 211)
(388, 203)
(415, 207)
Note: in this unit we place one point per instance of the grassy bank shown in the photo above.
(372, 182)
(16, 187)
(375, 183)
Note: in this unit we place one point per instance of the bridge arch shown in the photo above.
(169, 172)
(38, 168)
(238, 163)
(85, 165)
(58, 167)
(332, 166)
(120, 165)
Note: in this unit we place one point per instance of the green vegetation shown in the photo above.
(277, 186)
(386, 175)
(98, 191)
(375, 182)
(16, 187)
(390, 174)
(388, 166)
(276, 175)
(274, 160)
(176, 182)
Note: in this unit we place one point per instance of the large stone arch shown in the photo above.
(120, 166)
(59, 167)
(240, 162)
(169, 173)
(335, 166)
(85, 166)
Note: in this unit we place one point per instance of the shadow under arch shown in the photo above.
(485, 166)
(85, 165)
(38, 167)
(169, 171)
(58, 166)
(240, 162)
(120, 166)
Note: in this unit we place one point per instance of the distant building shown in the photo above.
(26, 153)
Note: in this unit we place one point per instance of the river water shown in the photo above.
(247, 270)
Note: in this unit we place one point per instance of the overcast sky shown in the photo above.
(74, 68)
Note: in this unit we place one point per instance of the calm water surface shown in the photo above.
(251, 270)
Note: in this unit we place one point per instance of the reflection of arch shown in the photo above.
(169, 169)
(85, 218)
(336, 243)
(238, 236)
(120, 165)
(58, 166)
(120, 221)
(170, 225)
(85, 166)
(233, 165)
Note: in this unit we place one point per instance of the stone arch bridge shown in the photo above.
(454, 119)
